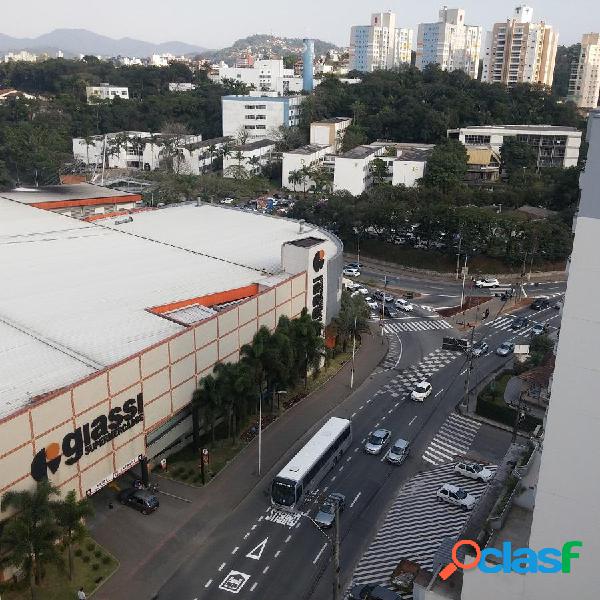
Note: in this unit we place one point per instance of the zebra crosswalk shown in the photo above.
(415, 525)
(424, 325)
(454, 437)
(407, 379)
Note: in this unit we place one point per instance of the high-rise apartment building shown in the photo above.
(520, 51)
(380, 45)
(584, 86)
(450, 43)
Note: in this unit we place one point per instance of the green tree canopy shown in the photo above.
(447, 166)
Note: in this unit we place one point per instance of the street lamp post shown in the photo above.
(458, 256)
(353, 353)
(462, 294)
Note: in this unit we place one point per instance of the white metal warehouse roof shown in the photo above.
(75, 294)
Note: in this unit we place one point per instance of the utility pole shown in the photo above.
(353, 353)
(462, 294)
(358, 251)
(260, 430)
(383, 306)
(458, 256)
(469, 369)
(337, 587)
(520, 413)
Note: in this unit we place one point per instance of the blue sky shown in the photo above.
(217, 24)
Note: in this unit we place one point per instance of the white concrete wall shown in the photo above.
(352, 174)
(407, 172)
(294, 162)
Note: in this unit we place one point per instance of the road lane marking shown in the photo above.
(355, 449)
(353, 415)
(361, 407)
(277, 553)
(355, 499)
(363, 440)
(253, 527)
(257, 551)
(412, 420)
(341, 468)
(266, 569)
(396, 404)
(333, 479)
(254, 586)
(221, 567)
(349, 459)
(260, 519)
(247, 536)
(207, 584)
(390, 411)
(235, 550)
(287, 539)
(325, 488)
(463, 372)
(318, 556)
(439, 393)
(234, 582)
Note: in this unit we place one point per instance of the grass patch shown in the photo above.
(56, 584)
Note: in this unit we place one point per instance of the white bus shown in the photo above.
(310, 465)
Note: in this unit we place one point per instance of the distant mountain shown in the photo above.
(266, 45)
(81, 41)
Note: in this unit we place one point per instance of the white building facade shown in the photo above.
(307, 157)
(247, 160)
(380, 45)
(554, 146)
(520, 51)
(258, 117)
(105, 91)
(450, 43)
(584, 86)
(329, 132)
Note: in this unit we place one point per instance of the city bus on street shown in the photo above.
(311, 463)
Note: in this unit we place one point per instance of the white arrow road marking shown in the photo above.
(257, 551)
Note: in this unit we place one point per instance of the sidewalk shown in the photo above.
(162, 549)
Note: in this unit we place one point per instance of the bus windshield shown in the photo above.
(283, 492)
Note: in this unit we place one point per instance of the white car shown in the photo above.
(404, 305)
(474, 471)
(227, 201)
(377, 440)
(351, 272)
(363, 290)
(421, 392)
(456, 496)
(487, 282)
(371, 303)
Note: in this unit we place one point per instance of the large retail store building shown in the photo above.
(107, 328)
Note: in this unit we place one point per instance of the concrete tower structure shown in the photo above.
(308, 59)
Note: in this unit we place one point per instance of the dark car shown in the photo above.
(372, 591)
(480, 348)
(325, 516)
(379, 295)
(540, 304)
(520, 322)
(141, 500)
(391, 312)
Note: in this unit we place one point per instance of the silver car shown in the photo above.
(398, 452)
(377, 440)
(325, 516)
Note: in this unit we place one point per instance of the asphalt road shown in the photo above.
(265, 554)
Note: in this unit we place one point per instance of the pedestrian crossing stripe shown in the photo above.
(416, 524)
(408, 326)
(281, 517)
(454, 438)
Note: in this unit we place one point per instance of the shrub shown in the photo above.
(191, 472)
(183, 476)
(90, 546)
(78, 552)
(98, 553)
(95, 566)
(105, 559)
(85, 558)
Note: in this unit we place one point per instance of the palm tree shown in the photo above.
(295, 178)
(254, 161)
(352, 318)
(211, 152)
(31, 534)
(308, 343)
(208, 403)
(254, 356)
(69, 515)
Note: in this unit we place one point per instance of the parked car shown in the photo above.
(227, 201)
(519, 323)
(363, 290)
(487, 282)
(377, 440)
(351, 272)
(421, 392)
(371, 303)
(325, 516)
(456, 496)
(141, 500)
(404, 305)
(539, 329)
(540, 304)
(398, 453)
(480, 348)
(474, 471)
(505, 349)
(372, 591)
(355, 265)
(383, 296)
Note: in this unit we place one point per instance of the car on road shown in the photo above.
(351, 272)
(539, 329)
(519, 323)
(457, 496)
(355, 265)
(363, 290)
(487, 282)
(405, 305)
(383, 296)
(474, 471)
(325, 516)
(540, 304)
(372, 591)
(377, 440)
(505, 349)
(371, 303)
(390, 312)
(141, 500)
(398, 453)
(421, 392)
(227, 201)
(480, 348)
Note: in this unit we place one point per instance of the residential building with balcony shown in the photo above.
(584, 85)
(303, 160)
(246, 160)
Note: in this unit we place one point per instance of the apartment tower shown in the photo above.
(584, 86)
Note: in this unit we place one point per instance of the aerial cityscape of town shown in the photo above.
(290, 320)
